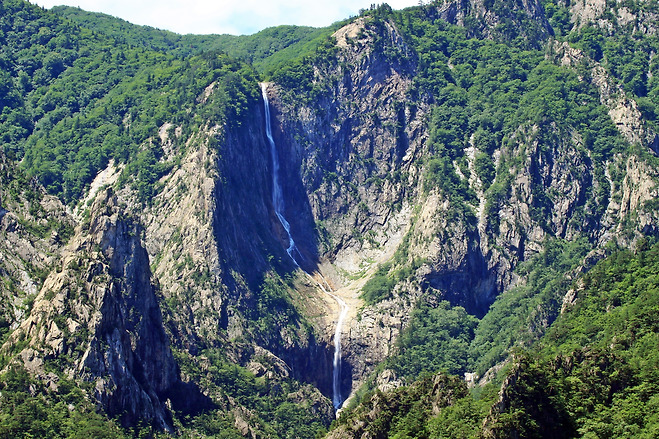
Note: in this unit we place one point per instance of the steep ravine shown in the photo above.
(214, 241)
(257, 246)
(358, 152)
(278, 203)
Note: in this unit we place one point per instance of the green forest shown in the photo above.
(592, 374)
(80, 90)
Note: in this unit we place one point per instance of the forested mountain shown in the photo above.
(445, 225)
(264, 50)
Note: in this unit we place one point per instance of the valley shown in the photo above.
(427, 223)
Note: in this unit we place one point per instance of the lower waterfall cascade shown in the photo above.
(292, 250)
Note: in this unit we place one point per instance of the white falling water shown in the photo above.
(278, 204)
(277, 195)
(336, 364)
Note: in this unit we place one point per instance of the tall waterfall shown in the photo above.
(278, 204)
(337, 400)
(277, 194)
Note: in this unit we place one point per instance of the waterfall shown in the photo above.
(337, 400)
(277, 195)
(278, 204)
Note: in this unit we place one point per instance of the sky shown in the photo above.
(237, 17)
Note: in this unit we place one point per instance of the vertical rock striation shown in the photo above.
(98, 319)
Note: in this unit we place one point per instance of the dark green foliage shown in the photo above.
(559, 17)
(297, 76)
(265, 50)
(532, 405)
(273, 307)
(274, 47)
(28, 409)
(618, 302)
(133, 35)
(404, 412)
(593, 374)
(82, 98)
(622, 50)
(521, 315)
(277, 410)
(484, 167)
(596, 371)
(486, 93)
(437, 339)
(72, 99)
(462, 419)
(215, 424)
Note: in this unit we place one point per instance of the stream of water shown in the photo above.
(294, 253)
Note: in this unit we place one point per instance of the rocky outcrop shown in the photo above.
(355, 154)
(349, 162)
(215, 242)
(636, 17)
(371, 337)
(203, 265)
(33, 227)
(384, 412)
(502, 21)
(97, 318)
(623, 110)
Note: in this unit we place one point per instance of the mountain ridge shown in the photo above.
(455, 182)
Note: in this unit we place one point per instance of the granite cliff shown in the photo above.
(430, 161)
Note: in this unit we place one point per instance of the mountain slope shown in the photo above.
(449, 171)
(265, 50)
(503, 154)
(591, 375)
(176, 176)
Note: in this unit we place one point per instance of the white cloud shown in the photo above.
(225, 16)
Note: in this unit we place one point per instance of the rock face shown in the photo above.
(32, 228)
(353, 154)
(609, 16)
(214, 240)
(98, 319)
(356, 155)
(523, 19)
(204, 266)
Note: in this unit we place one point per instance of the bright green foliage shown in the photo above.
(71, 99)
(597, 368)
(624, 52)
(274, 47)
(618, 302)
(297, 76)
(404, 412)
(23, 197)
(77, 99)
(379, 287)
(133, 35)
(484, 93)
(265, 50)
(461, 420)
(594, 374)
(559, 17)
